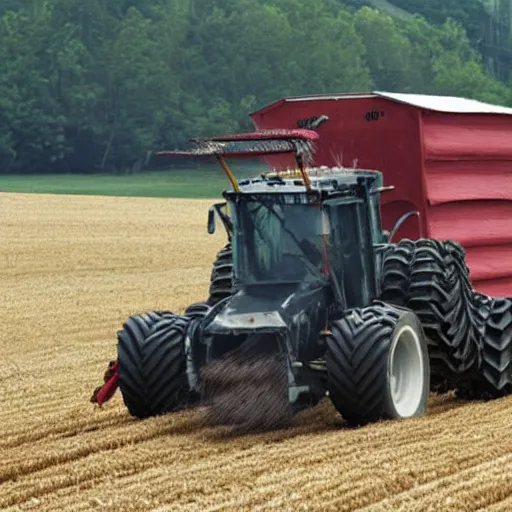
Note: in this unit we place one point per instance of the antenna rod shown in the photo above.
(305, 177)
(228, 172)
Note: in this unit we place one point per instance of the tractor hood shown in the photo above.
(268, 307)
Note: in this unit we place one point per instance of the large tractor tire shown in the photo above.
(432, 279)
(497, 347)
(378, 365)
(221, 278)
(152, 364)
(493, 379)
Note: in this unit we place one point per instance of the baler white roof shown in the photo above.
(449, 104)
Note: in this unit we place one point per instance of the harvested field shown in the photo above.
(73, 268)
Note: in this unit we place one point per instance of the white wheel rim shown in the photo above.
(406, 372)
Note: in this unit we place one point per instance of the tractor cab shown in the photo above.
(284, 234)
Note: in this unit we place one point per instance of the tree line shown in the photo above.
(99, 85)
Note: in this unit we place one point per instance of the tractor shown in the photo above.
(309, 278)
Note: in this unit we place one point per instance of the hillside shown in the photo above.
(487, 23)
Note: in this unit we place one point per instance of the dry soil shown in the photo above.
(72, 269)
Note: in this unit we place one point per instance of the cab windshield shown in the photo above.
(278, 238)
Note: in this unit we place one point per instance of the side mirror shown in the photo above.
(211, 220)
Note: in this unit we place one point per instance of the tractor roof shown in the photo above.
(265, 142)
(321, 178)
(249, 145)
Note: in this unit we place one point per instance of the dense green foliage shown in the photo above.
(98, 85)
(486, 22)
(470, 13)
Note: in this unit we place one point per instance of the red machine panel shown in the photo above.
(448, 158)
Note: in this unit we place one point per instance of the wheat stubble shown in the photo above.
(73, 268)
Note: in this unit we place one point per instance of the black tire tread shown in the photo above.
(143, 356)
(164, 366)
(497, 350)
(198, 310)
(221, 278)
(431, 278)
(357, 352)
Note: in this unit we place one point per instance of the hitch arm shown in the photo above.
(104, 393)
